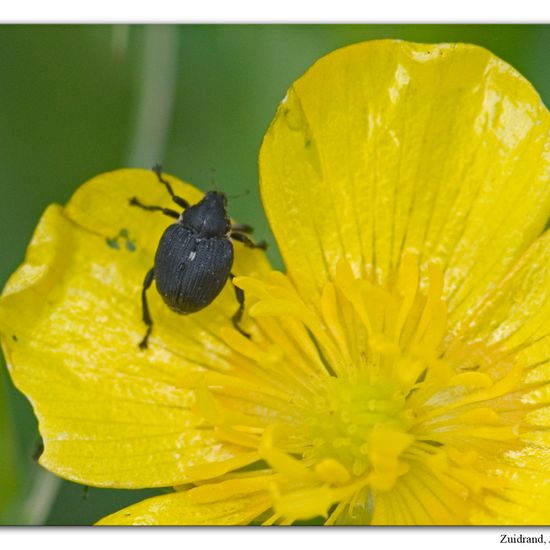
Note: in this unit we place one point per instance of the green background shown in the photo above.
(79, 100)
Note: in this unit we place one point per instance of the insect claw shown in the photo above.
(143, 344)
(243, 332)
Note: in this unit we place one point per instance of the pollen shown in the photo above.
(363, 407)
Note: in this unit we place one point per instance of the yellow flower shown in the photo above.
(396, 374)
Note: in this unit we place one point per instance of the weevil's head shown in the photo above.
(209, 216)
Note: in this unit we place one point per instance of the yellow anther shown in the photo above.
(332, 472)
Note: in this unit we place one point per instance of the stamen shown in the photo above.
(213, 492)
(408, 280)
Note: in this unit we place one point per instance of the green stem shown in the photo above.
(39, 501)
(156, 95)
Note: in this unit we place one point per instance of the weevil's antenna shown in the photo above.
(215, 186)
(239, 195)
(213, 179)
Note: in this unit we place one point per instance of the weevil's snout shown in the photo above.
(216, 198)
(209, 216)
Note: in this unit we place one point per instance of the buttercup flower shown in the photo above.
(397, 373)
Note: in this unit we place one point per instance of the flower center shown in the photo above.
(362, 426)
(361, 404)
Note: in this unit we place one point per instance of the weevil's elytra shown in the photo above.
(190, 271)
(194, 257)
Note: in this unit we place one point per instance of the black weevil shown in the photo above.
(194, 256)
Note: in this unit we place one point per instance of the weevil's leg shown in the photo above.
(180, 201)
(134, 201)
(145, 307)
(242, 228)
(247, 241)
(236, 319)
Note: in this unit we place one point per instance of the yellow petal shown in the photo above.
(515, 315)
(386, 146)
(70, 318)
(180, 509)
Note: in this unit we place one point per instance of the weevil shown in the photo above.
(194, 256)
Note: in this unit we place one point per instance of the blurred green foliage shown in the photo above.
(79, 100)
